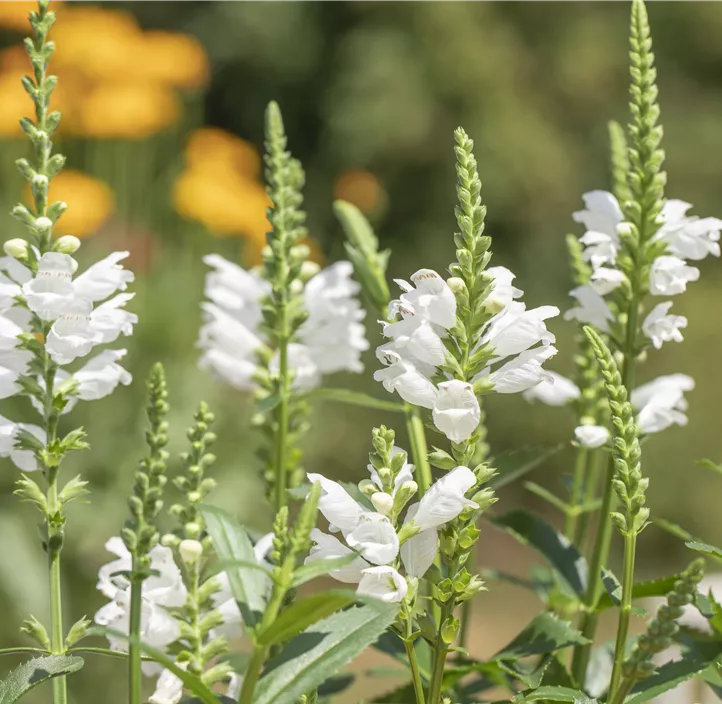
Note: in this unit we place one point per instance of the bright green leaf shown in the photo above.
(554, 694)
(641, 590)
(705, 549)
(667, 677)
(33, 672)
(305, 573)
(356, 398)
(545, 634)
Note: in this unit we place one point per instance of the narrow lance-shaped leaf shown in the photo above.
(34, 672)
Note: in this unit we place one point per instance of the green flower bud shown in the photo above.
(16, 248)
(450, 630)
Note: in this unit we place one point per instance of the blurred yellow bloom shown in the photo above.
(14, 15)
(128, 110)
(177, 59)
(362, 189)
(212, 145)
(90, 202)
(15, 103)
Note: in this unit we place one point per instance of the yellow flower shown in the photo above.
(211, 145)
(15, 103)
(177, 59)
(90, 202)
(14, 15)
(128, 110)
(362, 189)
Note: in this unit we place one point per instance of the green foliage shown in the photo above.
(34, 672)
(545, 634)
(355, 398)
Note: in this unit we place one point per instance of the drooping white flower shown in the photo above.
(662, 384)
(100, 376)
(306, 375)
(661, 402)
(688, 237)
(168, 689)
(432, 299)
(602, 213)
(600, 248)
(523, 371)
(49, 293)
(415, 340)
(503, 292)
(516, 329)
(660, 327)
(235, 290)
(110, 319)
(103, 278)
(338, 508)
(669, 276)
(22, 459)
(382, 582)
(404, 377)
(445, 499)
(456, 410)
(72, 335)
(591, 435)
(374, 538)
(553, 390)
(605, 280)
(329, 547)
(592, 308)
(418, 553)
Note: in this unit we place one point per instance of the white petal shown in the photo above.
(328, 547)
(383, 583)
(418, 553)
(591, 435)
(103, 278)
(337, 506)
(446, 499)
(375, 539)
(456, 410)
(553, 390)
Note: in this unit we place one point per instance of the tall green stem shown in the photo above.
(590, 491)
(625, 609)
(419, 448)
(135, 681)
(414, 664)
(578, 482)
(57, 639)
(283, 418)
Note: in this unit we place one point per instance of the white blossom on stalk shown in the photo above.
(602, 213)
(71, 335)
(50, 291)
(503, 292)
(660, 327)
(374, 538)
(431, 300)
(456, 411)
(660, 403)
(669, 276)
(404, 377)
(605, 280)
(336, 505)
(329, 547)
(22, 459)
(168, 689)
(330, 340)
(592, 308)
(553, 390)
(419, 552)
(445, 499)
(100, 376)
(523, 371)
(103, 278)
(382, 582)
(688, 237)
(591, 435)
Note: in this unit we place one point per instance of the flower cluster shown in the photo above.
(382, 541)
(50, 312)
(515, 339)
(330, 340)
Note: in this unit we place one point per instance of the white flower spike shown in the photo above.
(456, 411)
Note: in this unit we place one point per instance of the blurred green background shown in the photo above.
(371, 93)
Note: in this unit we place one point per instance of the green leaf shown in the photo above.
(545, 634)
(512, 464)
(356, 398)
(705, 549)
(555, 694)
(33, 672)
(612, 585)
(641, 590)
(305, 573)
(232, 543)
(667, 677)
(304, 613)
(319, 651)
(544, 538)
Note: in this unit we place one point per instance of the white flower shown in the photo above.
(418, 553)
(592, 308)
(600, 248)
(233, 692)
(432, 299)
(50, 292)
(516, 329)
(328, 547)
(553, 390)
(445, 499)
(605, 280)
(591, 435)
(103, 278)
(109, 319)
(602, 213)
(374, 538)
(523, 371)
(72, 335)
(503, 292)
(688, 237)
(669, 276)
(22, 459)
(660, 327)
(456, 410)
(8, 383)
(405, 378)
(100, 376)
(168, 689)
(661, 402)
(382, 582)
(338, 508)
(415, 339)
(679, 383)
(300, 361)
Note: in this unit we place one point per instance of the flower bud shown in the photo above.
(385, 474)
(170, 541)
(308, 270)
(16, 248)
(457, 285)
(367, 487)
(624, 229)
(193, 529)
(404, 494)
(382, 502)
(297, 287)
(43, 224)
(40, 180)
(190, 551)
(449, 630)
(67, 244)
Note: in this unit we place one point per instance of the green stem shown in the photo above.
(415, 673)
(590, 491)
(282, 431)
(440, 652)
(135, 680)
(22, 651)
(623, 691)
(625, 610)
(419, 448)
(252, 674)
(580, 475)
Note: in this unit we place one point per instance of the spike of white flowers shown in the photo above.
(591, 435)
(383, 582)
(446, 499)
(553, 390)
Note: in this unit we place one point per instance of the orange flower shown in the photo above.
(90, 202)
(177, 59)
(128, 110)
(362, 189)
(14, 15)
(211, 145)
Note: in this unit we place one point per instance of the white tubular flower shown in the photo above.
(503, 292)
(432, 299)
(668, 382)
(456, 411)
(600, 248)
(405, 378)
(415, 339)
(661, 402)
(336, 505)
(669, 276)
(516, 329)
(103, 278)
(553, 390)
(51, 291)
(101, 375)
(605, 280)
(11, 284)
(168, 689)
(72, 336)
(110, 320)
(445, 499)
(22, 459)
(592, 308)
(382, 582)
(602, 213)
(591, 435)
(328, 547)
(375, 539)
(688, 237)
(306, 374)
(522, 372)
(418, 553)
(660, 327)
